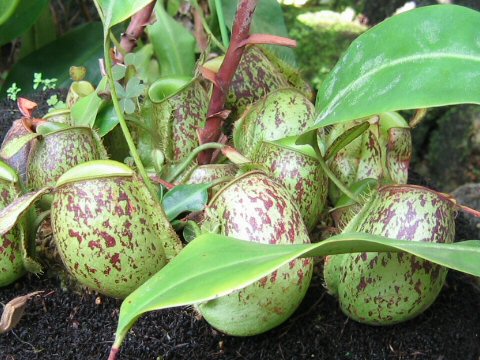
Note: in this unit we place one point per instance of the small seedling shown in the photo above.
(13, 91)
(47, 83)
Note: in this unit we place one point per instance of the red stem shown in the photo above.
(114, 352)
(134, 31)
(240, 33)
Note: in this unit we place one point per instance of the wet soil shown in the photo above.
(68, 324)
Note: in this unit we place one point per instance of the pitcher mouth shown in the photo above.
(233, 181)
(406, 187)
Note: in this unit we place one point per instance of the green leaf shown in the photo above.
(134, 88)
(10, 215)
(41, 33)
(346, 138)
(182, 198)
(106, 120)
(173, 45)
(20, 20)
(218, 265)
(15, 145)
(115, 12)
(268, 19)
(128, 106)
(84, 111)
(118, 72)
(426, 57)
(82, 46)
(49, 127)
(7, 9)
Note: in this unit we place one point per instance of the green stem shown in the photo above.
(188, 160)
(221, 23)
(221, 180)
(331, 175)
(123, 123)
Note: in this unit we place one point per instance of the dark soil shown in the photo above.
(80, 325)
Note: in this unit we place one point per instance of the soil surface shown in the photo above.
(67, 324)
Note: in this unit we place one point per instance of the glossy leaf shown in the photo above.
(20, 20)
(106, 120)
(268, 19)
(426, 57)
(173, 45)
(115, 12)
(82, 46)
(7, 9)
(218, 265)
(183, 198)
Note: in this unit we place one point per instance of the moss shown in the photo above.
(320, 43)
(448, 146)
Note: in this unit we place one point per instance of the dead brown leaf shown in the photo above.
(13, 311)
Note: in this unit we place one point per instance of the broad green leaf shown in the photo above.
(173, 45)
(40, 33)
(182, 198)
(82, 46)
(268, 19)
(115, 12)
(426, 57)
(106, 120)
(7, 9)
(10, 215)
(14, 146)
(214, 265)
(20, 20)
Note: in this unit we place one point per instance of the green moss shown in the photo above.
(321, 40)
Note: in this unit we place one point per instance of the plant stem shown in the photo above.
(240, 33)
(221, 23)
(135, 29)
(184, 164)
(121, 118)
(331, 175)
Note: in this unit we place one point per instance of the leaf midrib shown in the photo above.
(147, 306)
(412, 58)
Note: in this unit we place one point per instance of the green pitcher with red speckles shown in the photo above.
(15, 248)
(258, 73)
(175, 108)
(281, 113)
(382, 152)
(254, 207)
(388, 288)
(111, 235)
